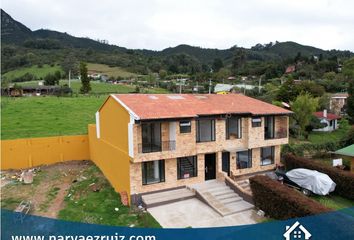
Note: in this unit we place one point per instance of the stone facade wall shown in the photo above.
(252, 138)
(171, 180)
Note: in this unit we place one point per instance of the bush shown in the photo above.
(281, 202)
(343, 179)
(311, 148)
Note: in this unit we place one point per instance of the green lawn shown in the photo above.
(334, 202)
(38, 72)
(102, 207)
(101, 87)
(47, 116)
(110, 71)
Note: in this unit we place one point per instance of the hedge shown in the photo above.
(281, 202)
(343, 179)
(311, 148)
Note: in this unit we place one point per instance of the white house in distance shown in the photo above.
(330, 119)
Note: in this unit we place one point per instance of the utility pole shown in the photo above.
(259, 84)
(209, 85)
(69, 78)
(180, 86)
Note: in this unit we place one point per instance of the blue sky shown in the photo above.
(158, 24)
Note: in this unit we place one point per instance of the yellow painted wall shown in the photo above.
(113, 162)
(114, 121)
(110, 151)
(26, 153)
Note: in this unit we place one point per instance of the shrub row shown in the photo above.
(343, 179)
(281, 202)
(311, 148)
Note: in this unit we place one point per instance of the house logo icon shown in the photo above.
(296, 231)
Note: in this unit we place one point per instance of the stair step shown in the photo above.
(227, 195)
(155, 199)
(223, 192)
(230, 199)
(219, 189)
(239, 206)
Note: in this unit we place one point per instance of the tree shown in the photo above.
(348, 71)
(162, 74)
(217, 64)
(51, 79)
(85, 81)
(70, 64)
(288, 91)
(303, 107)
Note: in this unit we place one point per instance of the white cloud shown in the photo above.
(157, 24)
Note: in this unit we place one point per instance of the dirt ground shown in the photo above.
(48, 190)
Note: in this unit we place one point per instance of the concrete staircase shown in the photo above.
(220, 197)
(244, 185)
(165, 197)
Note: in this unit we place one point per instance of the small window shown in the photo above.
(185, 126)
(187, 167)
(244, 159)
(153, 172)
(267, 156)
(256, 122)
(233, 128)
(205, 130)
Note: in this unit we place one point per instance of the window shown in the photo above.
(153, 172)
(267, 156)
(256, 122)
(233, 128)
(205, 130)
(185, 126)
(269, 127)
(244, 159)
(151, 137)
(187, 167)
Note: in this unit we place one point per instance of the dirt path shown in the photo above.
(48, 191)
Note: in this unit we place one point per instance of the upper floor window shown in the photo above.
(151, 137)
(244, 159)
(185, 126)
(205, 130)
(187, 167)
(267, 155)
(256, 122)
(233, 128)
(269, 127)
(153, 172)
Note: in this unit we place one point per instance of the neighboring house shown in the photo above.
(290, 69)
(338, 103)
(296, 231)
(329, 119)
(168, 141)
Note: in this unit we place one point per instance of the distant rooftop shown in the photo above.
(163, 106)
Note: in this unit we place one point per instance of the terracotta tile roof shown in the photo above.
(155, 106)
(330, 116)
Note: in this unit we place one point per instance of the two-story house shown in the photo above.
(167, 141)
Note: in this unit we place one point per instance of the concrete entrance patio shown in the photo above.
(194, 213)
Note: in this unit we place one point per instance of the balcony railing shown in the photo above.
(157, 147)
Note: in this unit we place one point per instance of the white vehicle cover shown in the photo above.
(316, 182)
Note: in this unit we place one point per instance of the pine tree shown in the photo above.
(85, 81)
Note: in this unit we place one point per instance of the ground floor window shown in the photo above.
(267, 156)
(187, 167)
(244, 159)
(153, 172)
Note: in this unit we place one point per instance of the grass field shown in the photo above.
(64, 191)
(38, 72)
(103, 207)
(334, 202)
(47, 116)
(110, 71)
(101, 87)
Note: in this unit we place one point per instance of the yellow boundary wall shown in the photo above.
(30, 152)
